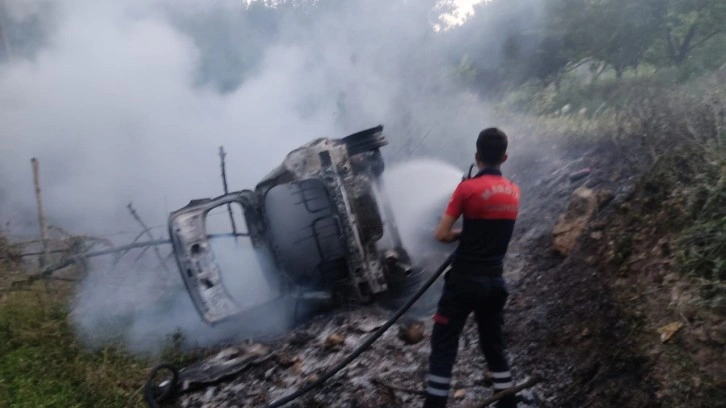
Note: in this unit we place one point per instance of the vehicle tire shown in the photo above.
(365, 141)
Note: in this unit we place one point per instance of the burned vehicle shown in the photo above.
(319, 224)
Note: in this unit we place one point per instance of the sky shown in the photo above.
(464, 7)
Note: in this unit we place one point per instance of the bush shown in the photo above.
(702, 251)
(675, 133)
(683, 130)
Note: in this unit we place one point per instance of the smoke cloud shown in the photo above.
(128, 102)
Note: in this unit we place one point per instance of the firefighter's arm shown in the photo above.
(445, 231)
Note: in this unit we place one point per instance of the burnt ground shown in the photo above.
(587, 322)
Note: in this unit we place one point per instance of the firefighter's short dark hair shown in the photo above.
(491, 146)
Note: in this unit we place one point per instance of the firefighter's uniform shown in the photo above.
(489, 204)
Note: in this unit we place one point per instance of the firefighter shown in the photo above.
(489, 204)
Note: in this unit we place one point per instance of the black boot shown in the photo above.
(434, 402)
(510, 401)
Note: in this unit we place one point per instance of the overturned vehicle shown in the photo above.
(319, 224)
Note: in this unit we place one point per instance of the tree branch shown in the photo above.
(706, 38)
(579, 64)
(148, 233)
(222, 155)
(685, 46)
(671, 44)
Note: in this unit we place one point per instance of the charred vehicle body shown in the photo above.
(319, 224)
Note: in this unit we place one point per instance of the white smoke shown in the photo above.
(113, 107)
(419, 191)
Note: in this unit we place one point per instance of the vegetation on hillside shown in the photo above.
(541, 43)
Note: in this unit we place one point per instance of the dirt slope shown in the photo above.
(598, 322)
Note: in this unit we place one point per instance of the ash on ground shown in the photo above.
(388, 374)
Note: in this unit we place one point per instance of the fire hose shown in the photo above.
(151, 400)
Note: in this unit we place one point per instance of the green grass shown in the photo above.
(702, 246)
(42, 363)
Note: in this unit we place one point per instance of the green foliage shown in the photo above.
(43, 364)
(688, 24)
(8, 253)
(677, 131)
(500, 44)
(702, 247)
(683, 128)
(702, 250)
(510, 43)
(506, 43)
(615, 32)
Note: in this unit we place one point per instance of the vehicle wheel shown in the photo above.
(365, 141)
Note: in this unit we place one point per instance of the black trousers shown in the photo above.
(463, 294)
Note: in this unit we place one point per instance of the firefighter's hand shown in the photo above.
(445, 232)
(456, 234)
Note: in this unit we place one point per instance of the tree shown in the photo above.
(501, 42)
(613, 32)
(689, 24)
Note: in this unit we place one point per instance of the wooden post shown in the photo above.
(41, 213)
